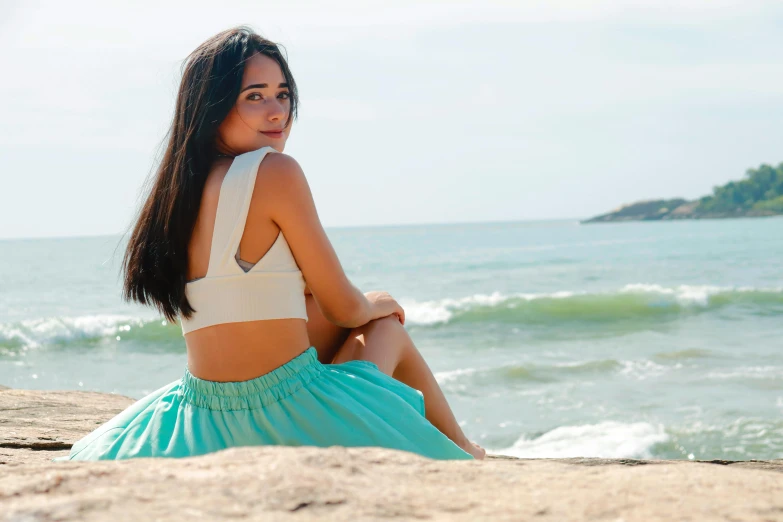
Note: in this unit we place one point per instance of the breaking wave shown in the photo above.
(637, 301)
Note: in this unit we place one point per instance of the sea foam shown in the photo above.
(609, 439)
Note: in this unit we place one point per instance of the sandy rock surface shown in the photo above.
(308, 483)
(53, 420)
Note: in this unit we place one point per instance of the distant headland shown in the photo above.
(759, 194)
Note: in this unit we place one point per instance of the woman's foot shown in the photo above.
(474, 449)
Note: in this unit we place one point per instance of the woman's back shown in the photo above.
(234, 351)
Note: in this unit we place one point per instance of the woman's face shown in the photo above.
(256, 120)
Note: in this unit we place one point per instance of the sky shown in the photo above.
(411, 112)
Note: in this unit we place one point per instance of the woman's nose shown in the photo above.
(277, 111)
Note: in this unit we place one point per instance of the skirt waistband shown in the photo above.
(254, 393)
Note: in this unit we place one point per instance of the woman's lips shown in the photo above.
(273, 134)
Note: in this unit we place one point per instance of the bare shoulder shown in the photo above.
(279, 170)
(281, 183)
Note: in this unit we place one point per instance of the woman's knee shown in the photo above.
(383, 341)
(388, 326)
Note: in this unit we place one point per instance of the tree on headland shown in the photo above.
(759, 194)
(762, 189)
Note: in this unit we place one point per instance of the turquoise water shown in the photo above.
(550, 339)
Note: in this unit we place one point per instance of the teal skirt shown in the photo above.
(301, 403)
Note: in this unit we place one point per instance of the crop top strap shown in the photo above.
(234, 197)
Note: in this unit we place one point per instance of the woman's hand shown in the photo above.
(383, 305)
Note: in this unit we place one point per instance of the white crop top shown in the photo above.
(273, 288)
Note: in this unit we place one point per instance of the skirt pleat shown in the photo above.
(301, 403)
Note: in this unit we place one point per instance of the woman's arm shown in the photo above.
(282, 190)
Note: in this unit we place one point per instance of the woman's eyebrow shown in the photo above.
(261, 86)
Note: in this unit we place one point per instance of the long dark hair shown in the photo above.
(156, 258)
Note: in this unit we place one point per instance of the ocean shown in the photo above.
(549, 339)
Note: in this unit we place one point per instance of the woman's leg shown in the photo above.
(386, 343)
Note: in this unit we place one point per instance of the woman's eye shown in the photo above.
(258, 96)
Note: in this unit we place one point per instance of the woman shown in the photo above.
(281, 347)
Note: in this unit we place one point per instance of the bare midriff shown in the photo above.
(231, 352)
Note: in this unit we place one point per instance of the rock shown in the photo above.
(641, 211)
(671, 209)
(337, 483)
(22, 456)
(683, 211)
(53, 420)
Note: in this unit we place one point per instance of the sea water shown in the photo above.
(549, 339)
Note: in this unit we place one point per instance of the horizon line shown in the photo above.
(327, 228)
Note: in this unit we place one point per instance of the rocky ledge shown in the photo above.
(337, 483)
(671, 209)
